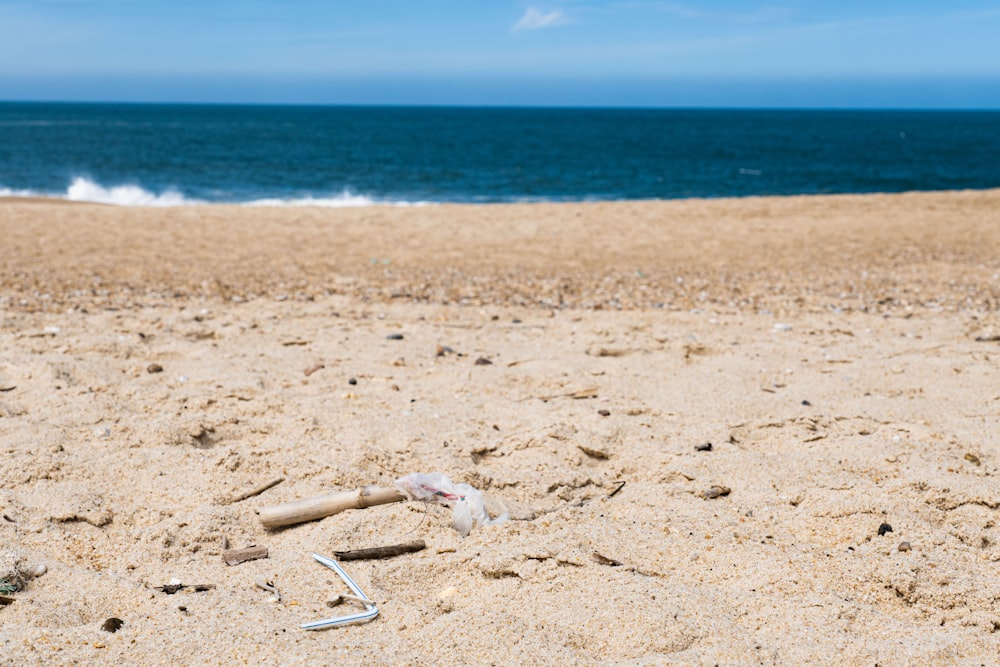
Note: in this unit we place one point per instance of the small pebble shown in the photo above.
(972, 458)
(883, 529)
(904, 546)
(395, 336)
(112, 624)
(715, 491)
(806, 403)
(154, 368)
(483, 361)
(352, 381)
(604, 413)
(703, 447)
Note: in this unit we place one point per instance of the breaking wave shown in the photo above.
(83, 189)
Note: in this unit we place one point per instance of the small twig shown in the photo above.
(237, 556)
(4, 600)
(10, 388)
(381, 552)
(312, 369)
(621, 485)
(256, 492)
(270, 588)
(604, 560)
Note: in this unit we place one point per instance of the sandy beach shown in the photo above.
(840, 354)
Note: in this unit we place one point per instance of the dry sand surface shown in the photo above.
(840, 354)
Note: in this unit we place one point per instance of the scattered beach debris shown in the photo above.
(883, 529)
(112, 625)
(375, 553)
(904, 546)
(256, 491)
(318, 507)
(988, 339)
(703, 447)
(466, 501)
(483, 361)
(443, 350)
(290, 343)
(176, 586)
(394, 336)
(621, 485)
(154, 368)
(806, 403)
(715, 491)
(237, 556)
(604, 412)
(352, 381)
(973, 459)
(10, 388)
(312, 369)
(4, 600)
(370, 612)
(594, 453)
(270, 588)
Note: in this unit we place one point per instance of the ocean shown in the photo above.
(147, 154)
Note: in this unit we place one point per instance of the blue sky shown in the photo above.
(785, 53)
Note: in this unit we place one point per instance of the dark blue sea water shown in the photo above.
(170, 154)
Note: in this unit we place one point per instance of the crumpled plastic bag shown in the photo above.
(467, 502)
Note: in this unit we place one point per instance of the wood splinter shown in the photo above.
(381, 552)
(237, 556)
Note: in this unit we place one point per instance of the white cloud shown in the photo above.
(534, 19)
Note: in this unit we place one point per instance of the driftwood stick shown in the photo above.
(310, 509)
(256, 492)
(237, 556)
(381, 552)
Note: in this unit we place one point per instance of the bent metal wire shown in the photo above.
(370, 612)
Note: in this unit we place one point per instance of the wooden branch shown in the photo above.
(381, 552)
(310, 509)
(237, 556)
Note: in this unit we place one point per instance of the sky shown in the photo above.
(646, 53)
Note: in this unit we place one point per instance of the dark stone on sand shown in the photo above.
(806, 403)
(154, 368)
(112, 624)
(604, 413)
(352, 381)
(884, 528)
(703, 447)
(395, 336)
(483, 361)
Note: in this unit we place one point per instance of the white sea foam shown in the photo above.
(84, 189)
(8, 192)
(343, 200)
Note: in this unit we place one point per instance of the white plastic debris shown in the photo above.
(466, 501)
